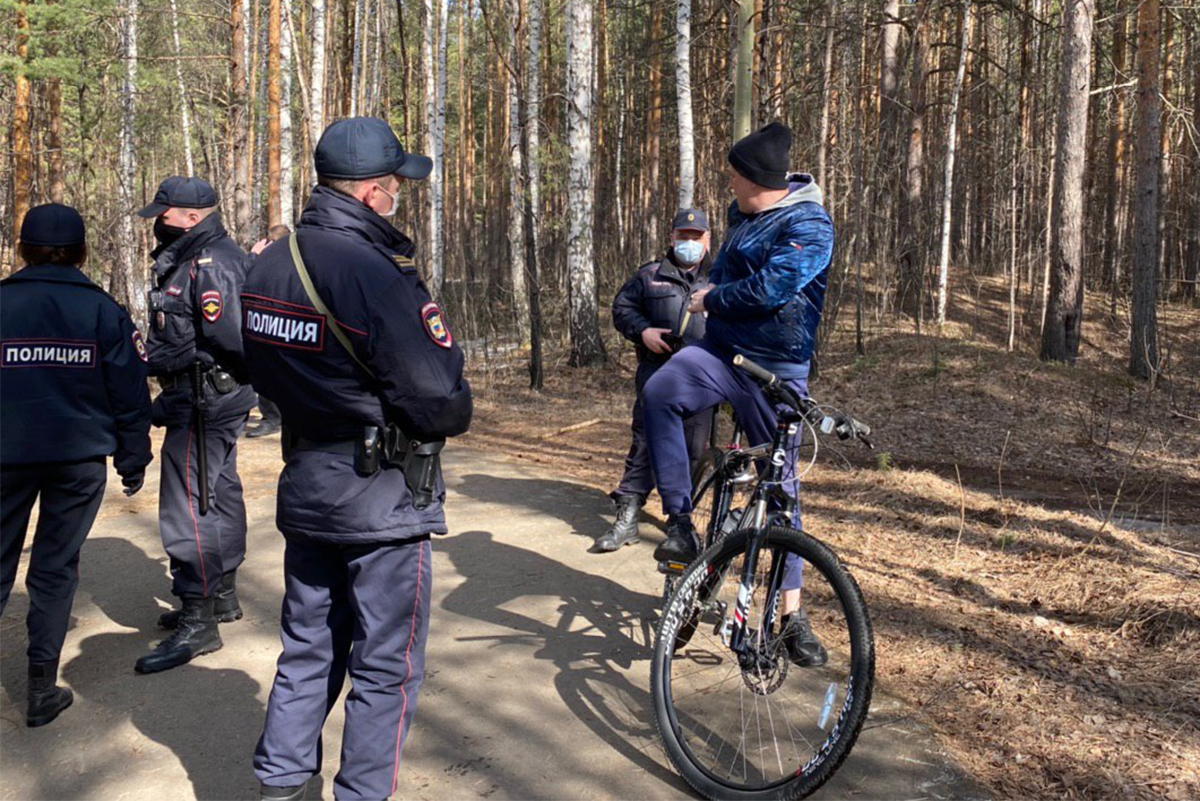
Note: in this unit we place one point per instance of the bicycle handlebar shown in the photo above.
(845, 426)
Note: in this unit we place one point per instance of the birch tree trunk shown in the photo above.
(951, 149)
(1143, 343)
(274, 101)
(239, 118)
(316, 98)
(286, 180)
(531, 142)
(683, 98)
(516, 171)
(128, 277)
(586, 346)
(743, 72)
(356, 62)
(1064, 311)
(184, 116)
(437, 137)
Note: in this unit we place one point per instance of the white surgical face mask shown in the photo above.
(689, 251)
(395, 202)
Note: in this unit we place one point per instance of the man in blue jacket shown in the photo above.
(73, 390)
(764, 302)
(342, 334)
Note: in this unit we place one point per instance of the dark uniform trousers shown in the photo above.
(639, 473)
(202, 547)
(362, 608)
(70, 498)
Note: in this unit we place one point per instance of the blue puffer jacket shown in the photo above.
(770, 280)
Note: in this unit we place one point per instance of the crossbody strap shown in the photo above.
(320, 306)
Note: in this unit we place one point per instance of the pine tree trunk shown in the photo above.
(743, 89)
(586, 346)
(911, 249)
(826, 94)
(1143, 344)
(1116, 155)
(54, 144)
(516, 174)
(951, 151)
(21, 141)
(1064, 311)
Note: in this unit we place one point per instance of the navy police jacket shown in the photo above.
(362, 268)
(770, 281)
(657, 297)
(72, 373)
(195, 308)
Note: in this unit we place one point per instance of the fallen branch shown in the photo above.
(568, 429)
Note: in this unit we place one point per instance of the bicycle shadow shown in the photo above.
(602, 631)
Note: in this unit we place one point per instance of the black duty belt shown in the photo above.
(174, 380)
(221, 381)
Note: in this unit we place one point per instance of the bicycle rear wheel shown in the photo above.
(756, 725)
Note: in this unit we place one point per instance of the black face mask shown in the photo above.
(166, 234)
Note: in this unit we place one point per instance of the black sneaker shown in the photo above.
(681, 544)
(295, 793)
(625, 530)
(803, 647)
(195, 634)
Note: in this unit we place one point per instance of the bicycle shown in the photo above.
(732, 600)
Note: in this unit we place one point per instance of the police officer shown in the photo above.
(651, 311)
(73, 388)
(195, 352)
(342, 334)
(271, 421)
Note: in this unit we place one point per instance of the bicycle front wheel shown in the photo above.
(774, 719)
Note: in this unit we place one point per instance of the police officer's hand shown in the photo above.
(259, 246)
(133, 483)
(652, 338)
(696, 304)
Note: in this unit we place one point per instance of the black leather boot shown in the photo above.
(804, 649)
(46, 699)
(681, 544)
(226, 608)
(282, 793)
(195, 634)
(625, 530)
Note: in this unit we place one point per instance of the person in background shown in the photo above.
(74, 391)
(651, 311)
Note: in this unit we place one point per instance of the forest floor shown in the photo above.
(1027, 535)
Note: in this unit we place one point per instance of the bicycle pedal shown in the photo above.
(672, 568)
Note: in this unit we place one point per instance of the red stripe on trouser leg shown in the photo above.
(412, 633)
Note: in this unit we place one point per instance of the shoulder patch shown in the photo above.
(404, 261)
(139, 345)
(435, 325)
(211, 305)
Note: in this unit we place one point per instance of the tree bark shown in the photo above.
(516, 174)
(826, 93)
(743, 89)
(184, 116)
(21, 141)
(286, 148)
(683, 100)
(274, 102)
(316, 102)
(128, 277)
(1064, 311)
(54, 146)
(1143, 343)
(530, 143)
(586, 346)
(435, 119)
(951, 151)
(239, 119)
(911, 254)
(1116, 155)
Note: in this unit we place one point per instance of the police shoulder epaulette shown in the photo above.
(205, 257)
(404, 261)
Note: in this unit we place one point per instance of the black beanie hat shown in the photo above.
(762, 156)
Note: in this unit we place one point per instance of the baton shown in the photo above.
(198, 406)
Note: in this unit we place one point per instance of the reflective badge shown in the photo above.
(210, 305)
(435, 326)
(139, 345)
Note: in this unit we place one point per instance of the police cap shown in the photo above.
(365, 147)
(180, 193)
(690, 220)
(52, 225)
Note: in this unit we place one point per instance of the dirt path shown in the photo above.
(538, 668)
